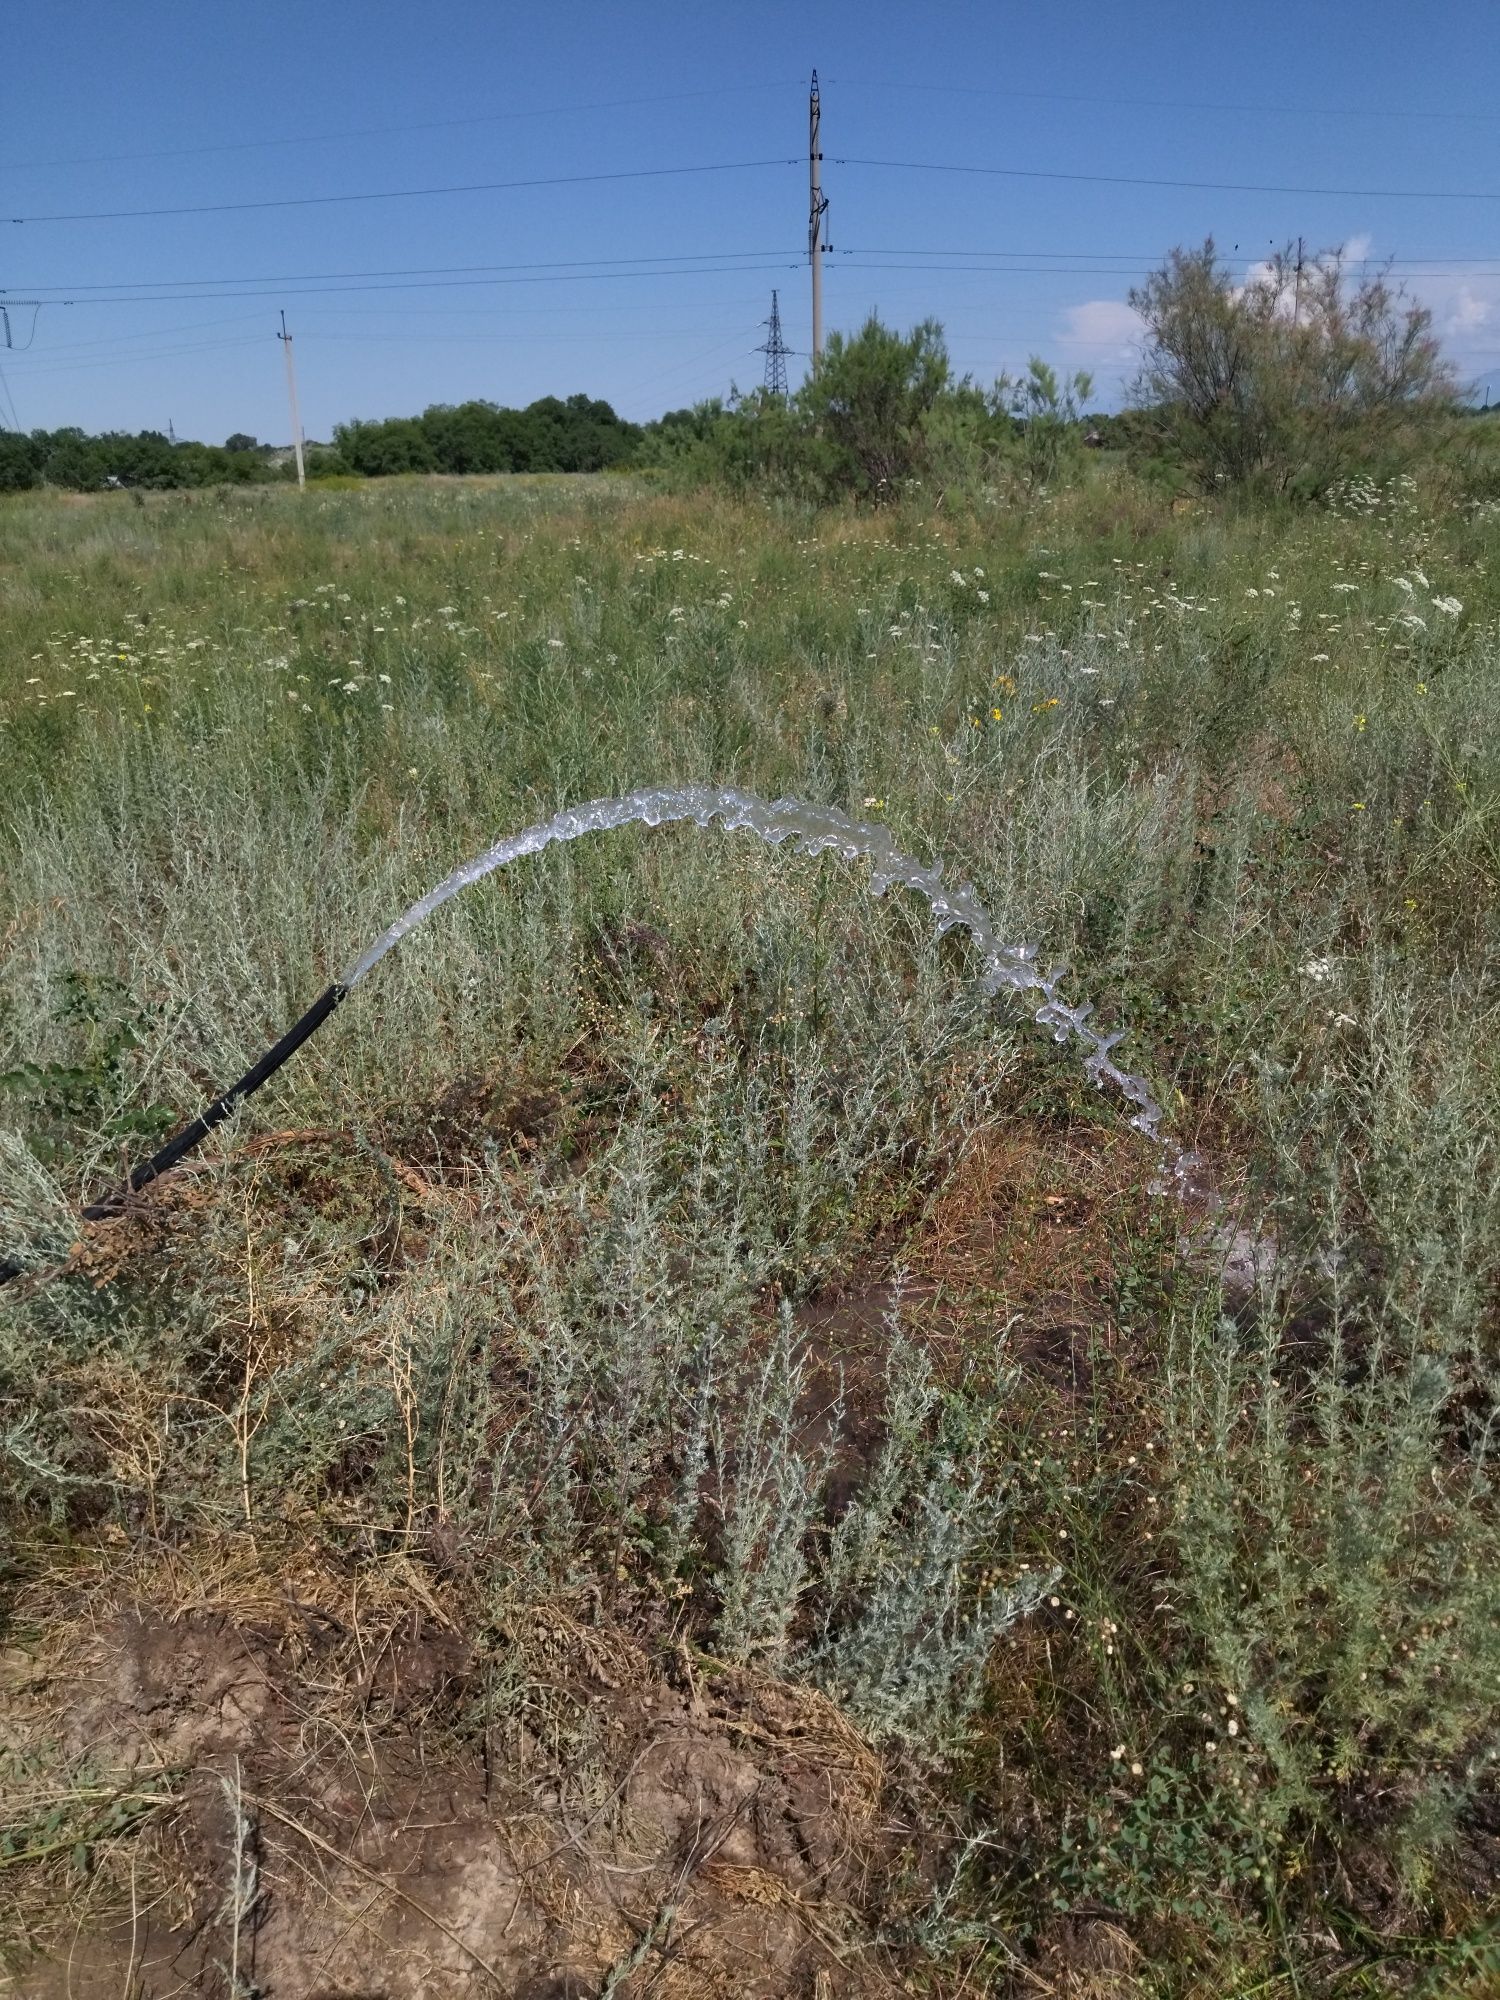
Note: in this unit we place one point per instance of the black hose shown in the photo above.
(212, 1115)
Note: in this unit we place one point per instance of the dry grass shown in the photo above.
(421, 1411)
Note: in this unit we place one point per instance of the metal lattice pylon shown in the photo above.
(775, 349)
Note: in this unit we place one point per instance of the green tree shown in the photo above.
(1046, 409)
(462, 437)
(377, 449)
(72, 461)
(145, 458)
(19, 462)
(579, 435)
(869, 403)
(1290, 380)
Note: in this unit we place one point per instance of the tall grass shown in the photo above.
(518, 1252)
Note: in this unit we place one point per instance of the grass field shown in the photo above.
(690, 1425)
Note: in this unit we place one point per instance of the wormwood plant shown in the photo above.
(911, 1607)
(1335, 1508)
(768, 1494)
(505, 1283)
(580, 1378)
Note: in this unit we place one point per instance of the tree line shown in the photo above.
(81, 462)
(576, 434)
(1283, 384)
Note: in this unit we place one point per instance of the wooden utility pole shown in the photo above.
(291, 395)
(818, 208)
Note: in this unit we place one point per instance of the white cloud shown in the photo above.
(1102, 337)
(1256, 275)
(1357, 248)
(1108, 327)
(1469, 312)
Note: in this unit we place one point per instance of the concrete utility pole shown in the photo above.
(1297, 295)
(291, 395)
(818, 209)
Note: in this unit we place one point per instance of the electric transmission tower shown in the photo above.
(775, 349)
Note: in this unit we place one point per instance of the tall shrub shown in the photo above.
(1290, 380)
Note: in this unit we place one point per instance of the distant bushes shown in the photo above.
(80, 463)
(579, 434)
(1281, 384)
(884, 414)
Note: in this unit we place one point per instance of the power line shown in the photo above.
(391, 131)
(123, 361)
(502, 309)
(677, 369)
(423, 270)
(1145, 180)
(616, 332)
(146, 333)
(1111, 271)
(747, 166)
(1381, 113)
(447, 284)
(854, 262)
(146, 357)
(45, 366)
(1079, 261)
(1452, 260)
(652, 335)
(1177, 103)
(402, 194)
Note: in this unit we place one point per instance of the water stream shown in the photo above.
(1004, 968)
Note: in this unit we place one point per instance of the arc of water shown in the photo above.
(816, 829)
(1004, 968)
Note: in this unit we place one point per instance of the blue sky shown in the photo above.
(165, 104)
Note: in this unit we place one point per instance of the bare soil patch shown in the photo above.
(335, 1824)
